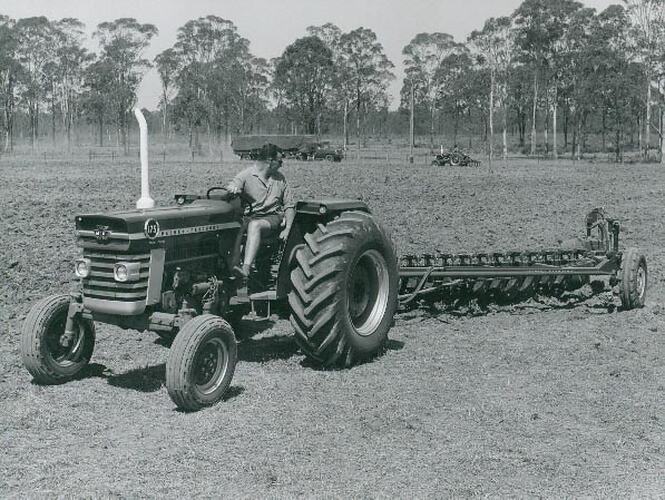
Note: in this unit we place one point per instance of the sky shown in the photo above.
(271, 25)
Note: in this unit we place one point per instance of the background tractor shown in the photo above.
(454, 158)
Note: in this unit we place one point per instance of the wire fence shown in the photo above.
(373, 153)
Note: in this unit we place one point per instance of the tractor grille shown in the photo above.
(101, 285)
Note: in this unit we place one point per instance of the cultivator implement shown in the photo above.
(517, 275)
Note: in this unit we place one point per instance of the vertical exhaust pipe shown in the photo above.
(145, 201)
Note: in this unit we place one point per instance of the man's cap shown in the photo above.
(269, 152)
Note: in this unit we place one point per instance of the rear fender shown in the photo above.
(308, 215)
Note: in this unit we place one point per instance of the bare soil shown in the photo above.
(555, 399)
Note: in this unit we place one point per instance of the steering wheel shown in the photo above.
(245, 202)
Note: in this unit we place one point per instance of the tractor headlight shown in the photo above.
(82, 267)
(126, 271)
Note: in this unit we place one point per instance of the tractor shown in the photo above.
(169, 270)
(454, 158)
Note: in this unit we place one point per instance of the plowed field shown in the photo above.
(555, 399)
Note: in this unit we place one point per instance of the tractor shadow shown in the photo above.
(144, 379)
(262, 349)
(152, 379)
(281, 346)
(390, 345)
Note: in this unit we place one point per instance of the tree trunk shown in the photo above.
(456, 129)
(578, 154)
(165, 123)
(555, 152)
(546, 130)
(53, 121)
(505, 133)
(210, 138)
(345, 131)
(533, 114)
(647, 121)
(565, 128)
(491, 119)
(604, 129)
(358, 125)
(69, 133)
(574, 142)
(662, 139)
(431, 127)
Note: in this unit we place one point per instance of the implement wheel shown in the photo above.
(633, 279)
(43, 354)
(344, 290)
(201, 362)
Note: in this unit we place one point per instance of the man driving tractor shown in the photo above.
(271, 207)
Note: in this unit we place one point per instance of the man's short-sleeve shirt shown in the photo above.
(271, 196)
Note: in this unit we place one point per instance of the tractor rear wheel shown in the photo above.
(455, 160)
(201, 362)
(633, 279)
(43, 353)
(344, 290)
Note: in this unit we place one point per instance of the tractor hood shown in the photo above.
(120, 230)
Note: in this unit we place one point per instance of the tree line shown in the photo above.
(554, 77)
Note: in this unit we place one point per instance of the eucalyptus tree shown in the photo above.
(9, 72)
(368, 70)
(99, 81)
(617, 82)
(167, 65)
(66, 73)
(215, 77)
(253, 93)
(303, 73)
(494, 46)
(35, 50)
(422, 58)
(540, 27)
(123, 43)
(648, 34)
(456, 94)
(343, 90)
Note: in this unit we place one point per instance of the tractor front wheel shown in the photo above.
(344, 290)
(45, 353)
(201, 362)
(633, 279)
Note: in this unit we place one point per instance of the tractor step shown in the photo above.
(243, 298)
(270, 295)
